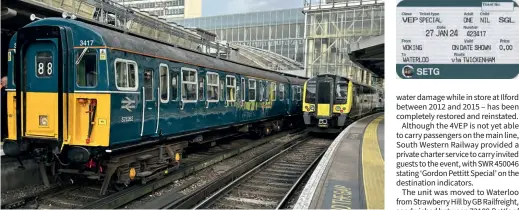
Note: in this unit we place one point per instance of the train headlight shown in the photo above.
(312, 108)
(43, 120)
(337, 108)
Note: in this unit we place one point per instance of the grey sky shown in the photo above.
(224, 7)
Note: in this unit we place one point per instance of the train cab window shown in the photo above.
(164, 84)
(189, 85)
(341, 93)
(231, 88)
(212, 86)
(281, 92)
(310, 92)
(252, 90)
(243, 89)
(44, 64)
(86, 68)
(274, 91)
(126, 74)
(201, 88)
(148, 85)
(174, 87)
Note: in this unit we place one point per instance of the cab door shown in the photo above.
(149, 97)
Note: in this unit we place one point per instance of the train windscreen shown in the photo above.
(324, 95)
(310, 92)
(341, 93)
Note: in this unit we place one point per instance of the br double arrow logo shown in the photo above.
(128, 104)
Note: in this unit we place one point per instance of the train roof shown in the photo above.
(104, 36)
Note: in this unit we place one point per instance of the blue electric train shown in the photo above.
(86, 99)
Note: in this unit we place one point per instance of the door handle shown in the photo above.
(206, 104)
(181, 105)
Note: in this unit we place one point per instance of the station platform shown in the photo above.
(351, 173)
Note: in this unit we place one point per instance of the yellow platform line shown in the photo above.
(373, 167)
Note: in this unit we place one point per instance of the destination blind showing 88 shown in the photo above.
(458, 35)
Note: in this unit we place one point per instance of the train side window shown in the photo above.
(281, 92)
(174, 87)
(252, 90)
(238, 89)
(201, 88)
(164, 84)
(261, 91)
(222, 89)
(189, 85)
(243, 89)
(126, 75)
(300, 93)
(86, 68)
(231, 88)
(267, 90)
(212, 86)
(148, 85)
(44, 64)
(274, 91)
(297, 93)
(293, 92)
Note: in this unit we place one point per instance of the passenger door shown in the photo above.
(149, 97)
(240, 83)
(189, 101)
(213, 95)
(165, 96)
(172, 113)
(202, 111)
(230, 100)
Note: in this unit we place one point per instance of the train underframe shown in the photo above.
(120, 167)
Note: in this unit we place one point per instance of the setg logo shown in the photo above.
(408, 71)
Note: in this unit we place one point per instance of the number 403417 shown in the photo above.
(86, 42)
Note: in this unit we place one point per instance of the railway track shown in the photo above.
(265, 184)
(86, 195)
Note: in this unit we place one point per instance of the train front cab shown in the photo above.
(326, 104)
(36, 109)
(46, 111)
